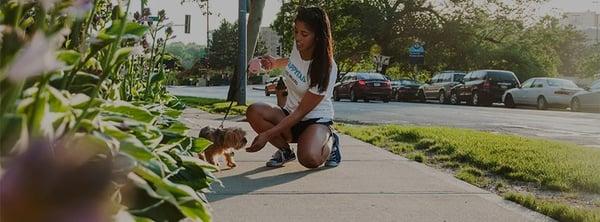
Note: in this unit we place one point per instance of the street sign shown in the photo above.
(153, 18)
(416, 54)
(382, 62)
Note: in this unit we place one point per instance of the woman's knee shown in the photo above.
(310, 161)
(255, 109)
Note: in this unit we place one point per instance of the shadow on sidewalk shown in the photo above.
(241, 184)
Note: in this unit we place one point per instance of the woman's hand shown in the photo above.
(259, 142)
(267, 62)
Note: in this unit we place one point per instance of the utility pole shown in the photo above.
(207, 24)
(597, 13)
(243, 35)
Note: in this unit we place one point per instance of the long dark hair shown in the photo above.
(320, 68)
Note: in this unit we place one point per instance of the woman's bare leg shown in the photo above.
(314, 145)
(264, 116)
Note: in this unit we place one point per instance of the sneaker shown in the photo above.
(281, 157)
(335, 157)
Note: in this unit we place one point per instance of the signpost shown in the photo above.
(416, 54)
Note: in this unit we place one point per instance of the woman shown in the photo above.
(307, 115)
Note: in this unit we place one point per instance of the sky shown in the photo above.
(228, 10)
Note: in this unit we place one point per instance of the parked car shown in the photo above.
(271, 86)
(365, 86)
(405, 89)
(439, 86)
(484, 87)
(587, 100)
(542, 93)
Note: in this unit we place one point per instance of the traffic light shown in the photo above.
(279, 51)
(188, 21)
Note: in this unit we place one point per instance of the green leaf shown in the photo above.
(200, 144)
(177, 128)
(121, 56)
(133, 30)
(136, 113)
(69, 57)
(129, 144)
(156, 77)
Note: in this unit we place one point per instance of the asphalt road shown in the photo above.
(580, 128)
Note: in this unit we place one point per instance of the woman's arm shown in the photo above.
(268, 62)
(307, 104)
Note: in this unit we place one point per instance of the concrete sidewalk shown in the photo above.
(371, 184)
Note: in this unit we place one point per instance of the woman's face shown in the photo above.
(305, 37)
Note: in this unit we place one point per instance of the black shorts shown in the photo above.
(302, 125)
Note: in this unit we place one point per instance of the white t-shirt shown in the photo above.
(297, 82)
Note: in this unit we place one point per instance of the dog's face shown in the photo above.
(233, 137)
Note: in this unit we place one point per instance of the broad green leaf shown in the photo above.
(156, 77)
(129, 144)
(177, 128)
(168, 160)
(200, 144)
(69, 57)
(133, 30)
(57, 101)
(136, 113)
(121, 56)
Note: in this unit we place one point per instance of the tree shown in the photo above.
(188, 53)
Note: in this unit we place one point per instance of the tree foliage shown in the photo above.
(460, 35)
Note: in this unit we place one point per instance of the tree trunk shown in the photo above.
(254, 20)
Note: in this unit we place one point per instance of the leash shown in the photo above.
(226, 114)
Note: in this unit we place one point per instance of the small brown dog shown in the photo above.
(225, 141)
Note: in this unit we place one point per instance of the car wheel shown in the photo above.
(421, 96)
(575, 105)
(366, 100)
(542, 104)
(476, 99)
(353, 97)
(442, 98)
(509, 102)
(454, 98)
(336, 97)
(267, 92)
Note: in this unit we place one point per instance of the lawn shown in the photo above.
(500, 162)
(213, 105)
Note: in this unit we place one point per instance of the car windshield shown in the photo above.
(458, 77)
(596, 85)
(371, 76)
(502, 76)
(562, 83)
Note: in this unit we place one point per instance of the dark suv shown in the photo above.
(363, 86)
(439, 86)
(484, 87)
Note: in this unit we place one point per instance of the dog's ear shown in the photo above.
(206, 132)
(235, 137)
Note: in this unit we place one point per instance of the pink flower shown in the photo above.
(36, 58)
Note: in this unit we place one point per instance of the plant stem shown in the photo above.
(106, 68)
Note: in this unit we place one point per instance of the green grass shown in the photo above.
(551, 165)
(213, 105)
(491, 160)
(558, 211)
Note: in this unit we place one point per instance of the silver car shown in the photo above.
(542, 93)
(587, 100)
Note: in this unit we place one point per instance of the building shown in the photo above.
(587, 22)
(271, 40)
